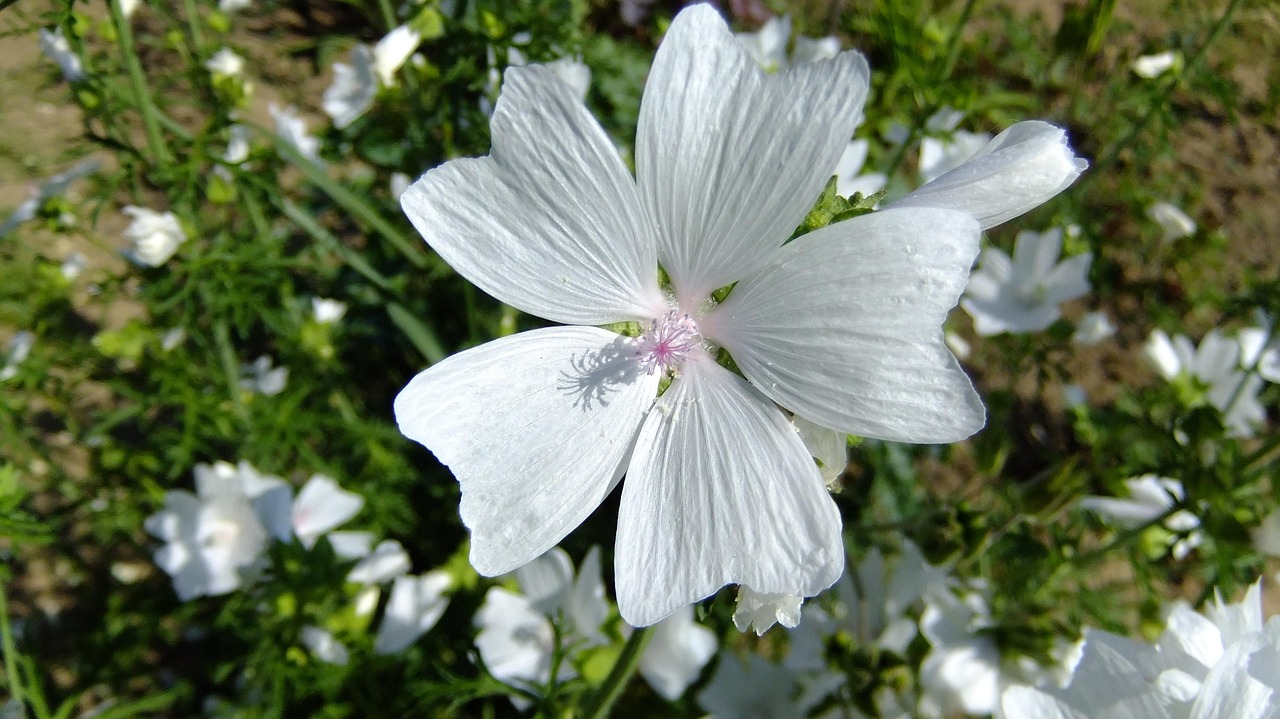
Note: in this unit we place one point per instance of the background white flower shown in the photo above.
(1172, 220)
(225, 62)
(1152, 66)
(16, 351)
(416, 604)
(1023, 294)
(156, 236)
(353, 90)
(1216, 366)
(849, 176)
(327, 311)
(1093, 328)
(262, 377)
(391, 52)
(677, 652)
(293, 129)
(54, 45)
(1151, 496)
(325, 647)
(322, 505)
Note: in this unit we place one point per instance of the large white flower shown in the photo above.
(1022, 294)
(841, 326)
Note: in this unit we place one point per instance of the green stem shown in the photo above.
(1123, 538)
(141, 94)
(10, 652)
(626, 666)
(953, 42)
(1162, 99)
(193, 24)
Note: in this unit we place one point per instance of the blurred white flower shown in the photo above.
(233, 5)
(327, 311)
(516, 640)
(939, 156)
(322, 505)
(1020, 169)
(1094, 327)
(1073, 395)
(262, 377)
(1216, 365)
(768, 46)
(211, 536)
(54, 45)
(875, 598)
(398, 184)
(50, 188)
(353, 545)
(1172, 220)
(172, 337)
(1151, 66)
(719, 487)
(1150, 497)
(75, 264)
(293, 129)
(226, 63)
(761, 610)
(156, 236)
(1219, 664)
(391, 52)
(16, 352)
(677, 652)
(754, 687)
(847, 172)
(353, 90)
(826, 445)
(128, 7)
(1022, 294)
(416, 604)
(324, 646)
(386, 562)
(958, 345)
(1260, 349)
(634, 12)
(961, 672)
(237, 145)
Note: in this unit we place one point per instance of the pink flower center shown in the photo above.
(668, 342)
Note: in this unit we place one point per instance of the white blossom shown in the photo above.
(398, 184)
(293, 129)
(761, 610)
(768, 46)
(876, 598)
(1172, 220)
(172, 337)
(939, 156)
(416, 604)
(233, 5)
(754, 687)
(1093, 328)
(1260, 350)
(55, 186)
(1216, 664)
(848, 172)
(1023, 294)
(322, 505)
(1150, 497)
(262, 377)
(391, 52)
(54, 45)
(16, 352)
(327, 311)
(1217, 365)
(958, 345)
(225, 63)
(1152, 66)
(676, 654)
(324, 646)
(155, 236)
(75, 264)
(719, 487)
(237, 145)
(128, 7)
(386, 562)
(353, 90)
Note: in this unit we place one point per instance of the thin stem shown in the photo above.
(626, 666)
(10, 652)
(1158, 102)
(953, 42)
(138, 81)
(193, 24)
(1123, 538)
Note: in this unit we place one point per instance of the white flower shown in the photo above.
(226, 63)
(1151, 66)
(1018, 170)
(1219, 664)
(50, 188)
(1260, 351)
(261, 377)
(211, 536)
(516, 639)
(939, 156)
(958, 345)
(75, 264)
(322, 505)
(233, 5)
(677, 652)
(848, 179)
(172, 337)
(571, 71)
(156, 236)
(876, 597)
(128, 7)
(416, 604)
(353, 90)
(1094, 327)
(293, 129)
(386, 562)
(762, 609)
(1022, 294)
(755, 688)
(325, 647)
(1175, 223)
(1149, 497)
(827, 446)
(355, 545)
(391, 52)
(54, 45)
(961, 672)
(720, 488)
(327, 311)
(15, 353)
(398, 184)
(768, 46)
(1074, 396)
(237, 145)
(1216, 365)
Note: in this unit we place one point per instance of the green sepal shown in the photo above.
(832, 208)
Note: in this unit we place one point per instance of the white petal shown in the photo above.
(760, 610)
(588, 606)
(676, 654)
(547, 581)
(1024, 701)
(415, 606)
(324, 646)
(322, 505)
(1036, 253)
(1016, 172)
(1160, 352)
(826, 445)
(387, 561)
(550, 222)
(845, 327)
(535, 427)
(729, 159)
(720, 490)
(515, 640)
(351, 545)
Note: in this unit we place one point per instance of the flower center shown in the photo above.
(668, 341)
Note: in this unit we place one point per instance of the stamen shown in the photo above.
(669, 339)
